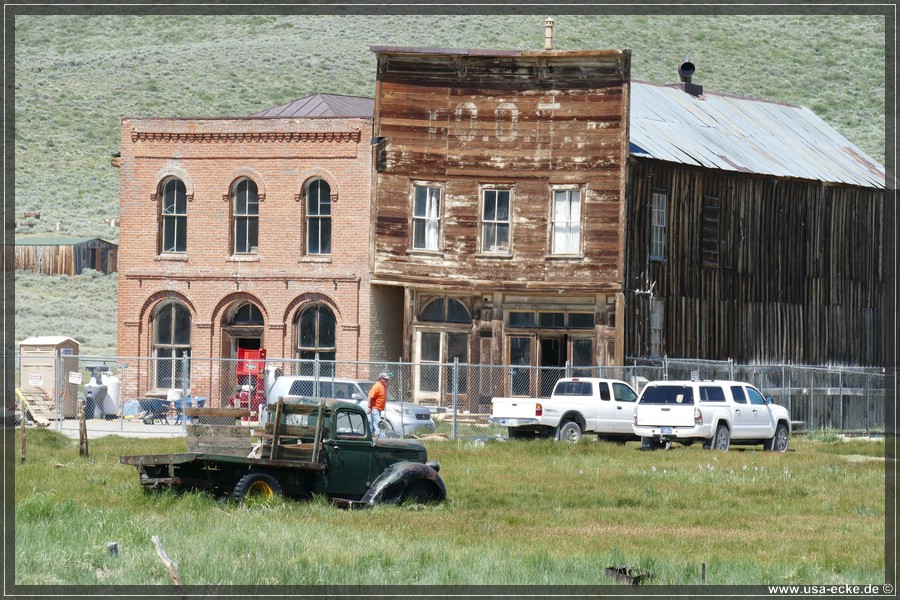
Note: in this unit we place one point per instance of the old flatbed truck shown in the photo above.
(307, 446)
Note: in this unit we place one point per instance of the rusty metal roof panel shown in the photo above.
(323, 105)
(731, 133)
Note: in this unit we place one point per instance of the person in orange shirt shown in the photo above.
(377, 402)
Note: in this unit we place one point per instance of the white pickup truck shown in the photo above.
(578, 405)
(717, 413)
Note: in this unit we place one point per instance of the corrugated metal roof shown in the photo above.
(731, 133)
(323, 105)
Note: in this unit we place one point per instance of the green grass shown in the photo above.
(527, 513)
(78, 76)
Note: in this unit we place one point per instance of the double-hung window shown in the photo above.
(318, 217)
(426, 217)
(566, 222)
(245, 210)
(173, 217)
(495, 221)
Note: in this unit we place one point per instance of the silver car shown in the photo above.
(400, 418)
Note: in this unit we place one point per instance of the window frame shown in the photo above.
(423, 221)
(496, 222)
(658, 207)
(247, 217)
(574, 248)
(168, 220)
(177, 379)
(318, 220)
(317, 349)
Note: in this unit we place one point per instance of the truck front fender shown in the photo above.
(390, 486)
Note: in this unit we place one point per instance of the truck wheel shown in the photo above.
(418, 492)
(722, 438)
(256, 485)
(779, 441)
(569, 431)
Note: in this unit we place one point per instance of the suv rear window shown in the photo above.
(667, 394)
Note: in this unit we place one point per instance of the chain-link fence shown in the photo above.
(124, 394)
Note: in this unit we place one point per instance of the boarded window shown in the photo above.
(710, 238)
(657, 312)
(658, 226)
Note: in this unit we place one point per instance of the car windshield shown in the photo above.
(667, 394)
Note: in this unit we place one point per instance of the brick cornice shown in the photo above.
(244, 137)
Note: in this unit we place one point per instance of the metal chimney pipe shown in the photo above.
(548, 34)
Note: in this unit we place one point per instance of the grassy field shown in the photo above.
(530, 513)
(76, 77)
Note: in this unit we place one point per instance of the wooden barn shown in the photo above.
(66, 255)
(755, 232)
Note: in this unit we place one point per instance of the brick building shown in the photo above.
(230, 240)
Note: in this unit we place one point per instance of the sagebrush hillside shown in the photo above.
(76, 77)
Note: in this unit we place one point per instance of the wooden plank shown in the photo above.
(237, 413)
(277, 422)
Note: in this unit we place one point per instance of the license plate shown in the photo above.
(512, 422)
(665, 430)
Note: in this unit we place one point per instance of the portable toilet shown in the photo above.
(39, 357)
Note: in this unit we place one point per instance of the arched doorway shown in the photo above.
(242, 327)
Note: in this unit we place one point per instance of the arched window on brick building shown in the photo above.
(245, 216)
(171, 327)
(316, 335)
(318, 217)
(173, 216)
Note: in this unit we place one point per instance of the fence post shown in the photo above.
(841, 387)
(400, 394)
(455, 396)
(58, 388)
(185, 382)
(731, 369)
(568, 369)
(665, 367)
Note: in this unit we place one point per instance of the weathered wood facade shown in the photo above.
(755, 266)
(66, 256)
(499, 203)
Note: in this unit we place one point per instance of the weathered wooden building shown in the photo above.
(499, 207)
(66, 255)
(755, 232)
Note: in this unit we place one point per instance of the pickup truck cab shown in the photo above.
(578, 405)
(718, 413)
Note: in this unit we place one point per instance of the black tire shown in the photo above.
(256, 485)
(569, 431)
(722, 439)
(419, 492)
(778, 442)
